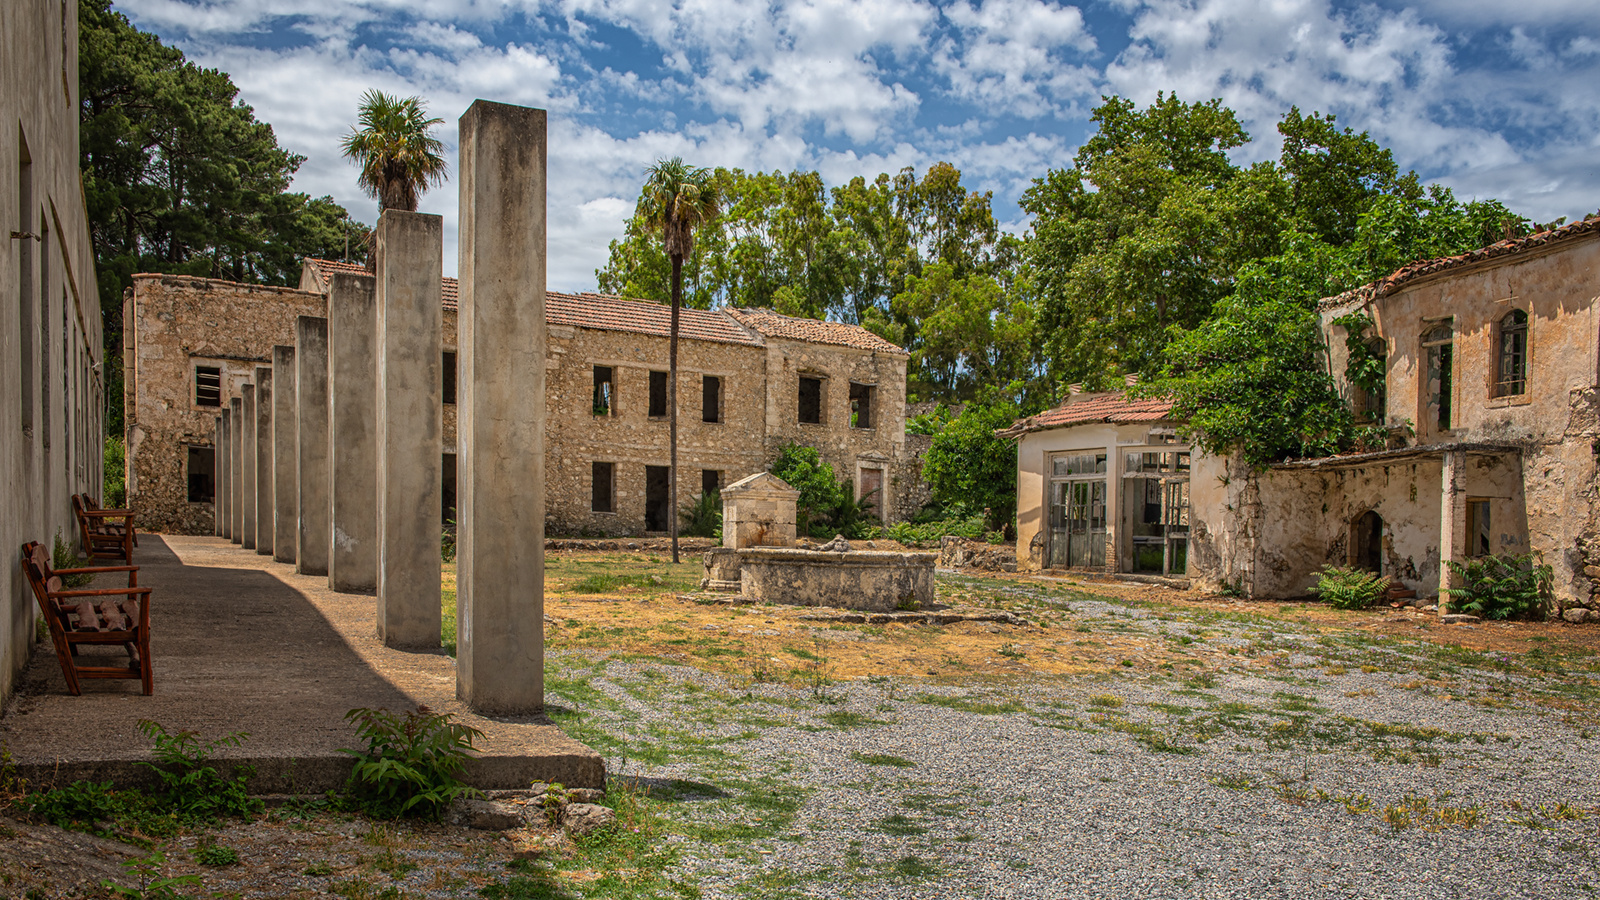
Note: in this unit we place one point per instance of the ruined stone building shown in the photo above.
(52, 376)
(1491, 398)
(749, 382)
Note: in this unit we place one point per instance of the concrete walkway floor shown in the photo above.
(242, 644)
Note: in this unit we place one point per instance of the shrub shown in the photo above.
(703, 517)
(966, 464)
(447, 542)
(116, 491)
(194, 791)
(410, 764)
(911, 533)
(1346, 588)
(1501, 587)
(827, 506)
(63, 557)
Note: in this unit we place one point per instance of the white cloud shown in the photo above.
(1009, 55)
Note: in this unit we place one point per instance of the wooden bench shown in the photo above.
(96, 616)
(107, 533)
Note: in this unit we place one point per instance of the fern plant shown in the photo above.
(194, 790)
(1501, 587)
(703, 517)
(1346, 588)
(410, 764)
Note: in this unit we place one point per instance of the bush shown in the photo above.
(194, 791)
(910, 533)
(410, 764)
(967, 465)
(1346, 588)
(116, 489)
(703, 517)
(826, 506)
(1501, 587)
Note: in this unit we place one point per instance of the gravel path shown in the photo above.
(1284, 766)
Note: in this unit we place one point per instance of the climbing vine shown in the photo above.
(1365, 365)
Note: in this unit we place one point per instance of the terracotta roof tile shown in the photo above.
(771, 324)
(1421, 268)
(1114, 408)
(450, 287)
(608, 313)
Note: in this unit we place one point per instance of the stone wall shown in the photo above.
(180, 323)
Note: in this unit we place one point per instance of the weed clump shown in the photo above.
(410, 764)
(1346, 588)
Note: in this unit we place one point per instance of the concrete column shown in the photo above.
(216, 477)
(236, 470)
(312, 503)
(1452, 525)
(500, 404)
(284, 494)
(352, 432)
(247, 468)
(410, 414)
(263, 451)
(224, 471)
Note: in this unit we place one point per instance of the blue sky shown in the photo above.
(1493, 98)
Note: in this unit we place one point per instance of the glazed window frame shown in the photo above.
(1438, 387)
(1511, 354)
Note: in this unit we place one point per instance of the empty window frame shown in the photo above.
(860, 405)
(810, 399)
(710, 481)
(605, 388)
(710, 399)
(26, 300)
(658, 394)
(602, 489)
(202, 474)
(207, 386)
(1437, 347)
(1511, 374)
(447, 374)
(1479, 541)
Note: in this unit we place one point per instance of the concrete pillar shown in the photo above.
(216, 477)
(236, 470)
(352, 432)
(284, 494)
(500, 404)
(410, 414)
(224, 471)
(1452, 525)
(247, 468)
(312, 503)
(263, 451)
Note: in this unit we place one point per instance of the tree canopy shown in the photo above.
(396, 150)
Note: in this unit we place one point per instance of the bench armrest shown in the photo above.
(102, 592)
(94, 569)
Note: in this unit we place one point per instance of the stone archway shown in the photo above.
(1366, 542)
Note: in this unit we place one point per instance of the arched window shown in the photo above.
(1437, 346)
(1512, 373)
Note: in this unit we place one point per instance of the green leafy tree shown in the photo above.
(971, 470)
(180, 177)
(677, 199)
(396, 150)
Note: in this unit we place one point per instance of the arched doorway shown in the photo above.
(1366, 542)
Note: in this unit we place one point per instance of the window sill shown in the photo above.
(603, 512)
(1509, 400)
(812, 424)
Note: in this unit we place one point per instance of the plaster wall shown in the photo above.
(52, 384)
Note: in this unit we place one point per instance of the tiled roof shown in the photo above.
(1400, 277)
(771, 324)
(609, 313)
(1114, 408)
(599, 311)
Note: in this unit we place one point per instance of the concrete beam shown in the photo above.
(500, 403)
(247, 467)
(263, 451)
(284, 492)
(236, 470)
(352, 432)
(313, 503)
(410, 412)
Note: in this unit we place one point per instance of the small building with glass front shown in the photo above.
(1102, 487)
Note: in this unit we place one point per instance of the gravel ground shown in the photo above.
(1282, 763)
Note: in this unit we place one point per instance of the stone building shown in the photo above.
(52, 377)
(1491, 399)
(749, 382)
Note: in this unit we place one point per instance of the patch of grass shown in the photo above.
(844, 718)
(972, 705)
(1106, 701)
(883, 759)
(1239, 782)
(900, 825)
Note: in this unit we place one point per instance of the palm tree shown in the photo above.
(398, 156)
(677, 198)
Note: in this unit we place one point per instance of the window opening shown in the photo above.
(1077, 511)
(810, 400)
(658, 394)
(1479, 541)
(1366, 542)
(860, 405)
(604, 388)
(710, 481)
(657, 511)
(447, 377)
(25, 298)
(207, 386)
(447, 489)
(710, 399)
(202, 474)
(1155, 511)
(1512, 379)
(1436, 343)
(602, 493)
